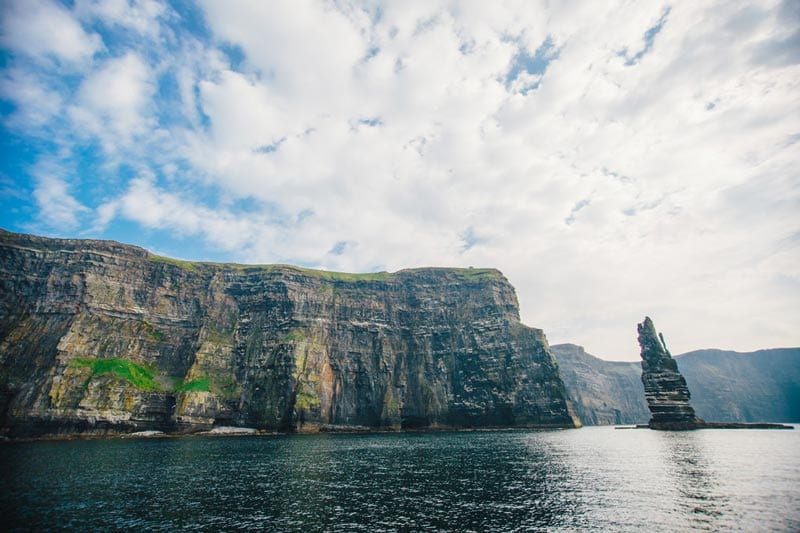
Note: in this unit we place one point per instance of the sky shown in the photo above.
(612, 159)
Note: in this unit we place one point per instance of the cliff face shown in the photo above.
(603, 392)
(99, 337)
(762, 386)
(664, 387)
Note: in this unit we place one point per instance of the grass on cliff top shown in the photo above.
(186, 265)
(468, 274)
(137, 375)
(321, 274)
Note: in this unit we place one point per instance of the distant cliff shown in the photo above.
(603, 392)
(762, 386)
(97, 336)
(744, 387)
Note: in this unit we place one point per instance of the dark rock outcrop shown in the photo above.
(603, 392)
(100, 337)
(664, 387)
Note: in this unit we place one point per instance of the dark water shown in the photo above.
(588, 479)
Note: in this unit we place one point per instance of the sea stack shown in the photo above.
(664, 387)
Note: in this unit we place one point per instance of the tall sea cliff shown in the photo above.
(101, 337)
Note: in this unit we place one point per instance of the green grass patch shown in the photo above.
(292, 336)
(479, 274)
(468, 274)
(196, 385)
(185, 265)
(152, 331)
(137, 375)
(319, 274)
(306, 399)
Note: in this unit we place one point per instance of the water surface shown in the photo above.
(592, 478)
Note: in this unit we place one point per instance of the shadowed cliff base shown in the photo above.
(666, 391)
(98, 337)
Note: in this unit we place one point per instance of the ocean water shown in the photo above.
(596, 478)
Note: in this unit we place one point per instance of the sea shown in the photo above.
(589, 479)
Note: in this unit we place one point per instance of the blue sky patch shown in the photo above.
(649, 39)
(534, 65)
(573, 214)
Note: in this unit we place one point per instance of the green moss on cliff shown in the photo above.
(306, 398)
(135, 374)
(293, 336)
(186, 265)
(152, 331)
(196, 385)
(391, 407)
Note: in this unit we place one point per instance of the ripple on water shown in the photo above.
(593, 478)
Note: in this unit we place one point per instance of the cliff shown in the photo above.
(664, 387)
(603, 392)
(744, 387)
(761, 386)
(99, 337)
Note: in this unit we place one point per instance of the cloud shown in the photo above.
(58, 209)
(141, 16)
(613, 160)
(113, 101)
(36, 102)
(44, 30)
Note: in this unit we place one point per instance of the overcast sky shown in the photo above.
(613, 159)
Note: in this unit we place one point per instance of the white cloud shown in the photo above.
(155, 208)
(42, 29)
(113, 101)
(36, 103)
(141, 16)
(644, 165)
(58, 209)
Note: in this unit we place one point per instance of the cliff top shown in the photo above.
(22, 240)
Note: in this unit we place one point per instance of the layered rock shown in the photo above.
(603, 392)
(97, 336)
(664, 387)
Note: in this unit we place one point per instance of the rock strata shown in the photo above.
(603, 392)
(664, 387)
(98, 337)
